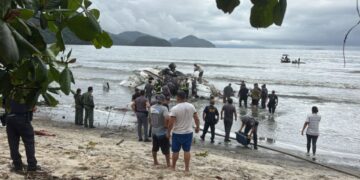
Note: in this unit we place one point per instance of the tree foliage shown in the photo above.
(264, 13)
(28, 66)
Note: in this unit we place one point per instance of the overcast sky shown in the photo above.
(307, 22)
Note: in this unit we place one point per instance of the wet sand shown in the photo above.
(78, 153)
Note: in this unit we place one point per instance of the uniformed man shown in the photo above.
(149, 88)
(185, 87)
(18, 120)
(211, 118)
(79, 108)
(264, 96)
(88, 102)
(251, 126)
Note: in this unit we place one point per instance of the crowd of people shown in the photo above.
(256, 94)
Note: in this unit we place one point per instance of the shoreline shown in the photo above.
(76, 152)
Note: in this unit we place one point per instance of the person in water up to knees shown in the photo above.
(230, 111)
(273, 102)
(159, 119)
(243, 94)
(264, 96)
(255, 95)
(251, 126)
(228, 92)
(312, 131)
(181, 124)
(149, 88)
(140, 106)
(88, 101)
(200, 70)
(211, 118)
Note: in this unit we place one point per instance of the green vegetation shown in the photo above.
(28, 66)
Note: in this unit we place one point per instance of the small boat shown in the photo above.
(285, 59)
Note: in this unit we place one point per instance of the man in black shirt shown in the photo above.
(243, 94)
(273, 102)
(18, 125)
(211, 117)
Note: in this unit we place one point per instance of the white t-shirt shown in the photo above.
(184, 113)
(313, 126)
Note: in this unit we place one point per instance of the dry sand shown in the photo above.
(78, 153)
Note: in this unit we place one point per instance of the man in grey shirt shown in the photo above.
(159, 118)
(140, 106)
(230, 112)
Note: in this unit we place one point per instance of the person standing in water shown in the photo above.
(312, 132)
(201, 72)
(149, 88)
(228, 92)
(273, 102)
(243, 94)
(264, 96)
(255, 95)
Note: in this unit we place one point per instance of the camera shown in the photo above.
(3, 119)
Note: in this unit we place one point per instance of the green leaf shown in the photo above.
(86, 28)
(60, 41)
(54, 90)
(40, 71)
(23, 43)
(279, 12)
(50, 100)
(52, 26)
(65, 81)
(69, 54)
(54, 74)
(54, 49)
(71, 61)
(74, 4)
(227, 6)
(105, 40)
(26, 14)
(262, 14)
(43, 21)
(87, 3)
(36, 39)
(95, 12)
(9, 52)
(4, 7)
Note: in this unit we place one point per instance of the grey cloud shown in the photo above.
(321, 22)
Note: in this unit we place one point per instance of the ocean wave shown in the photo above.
(354, 72)
(287, 82)
(166, 63)
(319, 99)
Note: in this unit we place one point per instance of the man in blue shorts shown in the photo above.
(181, 117)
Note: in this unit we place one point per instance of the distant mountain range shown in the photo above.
(135, 38)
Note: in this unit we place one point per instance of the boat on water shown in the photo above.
(140, 77)
(285, 59)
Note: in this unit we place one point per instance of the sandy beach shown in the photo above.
(78, 153)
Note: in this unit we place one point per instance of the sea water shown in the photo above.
(322, 81)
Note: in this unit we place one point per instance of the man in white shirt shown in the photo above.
(181, 117)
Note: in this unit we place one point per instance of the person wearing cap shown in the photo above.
(181, 125)
(159, 119)
(264, 96)
(79, 108)
(211, 118)
(140, 106)
(89, 105)
(250, 131)
(201, 72)
(228, 92)
(273, 102)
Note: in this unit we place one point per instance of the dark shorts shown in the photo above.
(181, 141)
(161, 142)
